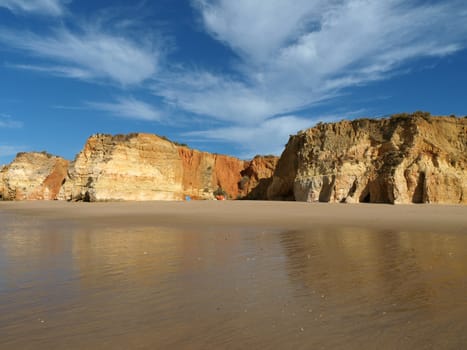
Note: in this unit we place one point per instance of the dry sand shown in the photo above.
(245, 214)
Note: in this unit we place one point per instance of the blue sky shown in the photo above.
(235, 77)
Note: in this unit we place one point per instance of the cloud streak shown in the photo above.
(265, 137)
(257, 29)
(325, 47)
(42, 7)
(214, 96)
(90, 54)
(7, 121)
(129, 108)
(294, 56)
(8, 150)
(287, 57)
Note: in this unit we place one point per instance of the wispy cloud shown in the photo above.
(265, 137)
(288, 56)
(129, 108)
(70, 72)
(70, 108)
(268, 136)
(6, 121)
(214, 96)
(292, 56)
(257, 29)
(43, 7)
(88, 54)
(8, 150)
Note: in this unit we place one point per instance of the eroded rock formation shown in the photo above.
(2, 171)
(33, 176)
(125, 167)
(204, 173)
(403, 159)
(257, 177)
(148, 167)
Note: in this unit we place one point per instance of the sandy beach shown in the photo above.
(278, 215)
(232, 274)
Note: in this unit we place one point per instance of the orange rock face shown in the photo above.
(403, 159)
(257, 177)
(148, 167)
(132, 167)
(204, 173)
(33, 176)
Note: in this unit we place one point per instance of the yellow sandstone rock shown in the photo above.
(33, 176)
(149, 167)
(414, 158)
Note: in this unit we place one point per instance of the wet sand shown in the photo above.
(279, 215)
(232, 275)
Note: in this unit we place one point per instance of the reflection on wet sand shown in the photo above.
(387, 289)
(64, 285)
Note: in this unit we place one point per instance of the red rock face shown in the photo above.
(53, 182)
(204, 173)
(134, 167)
(34, 176)
(257, 176)
(228, 174)
(148, 167)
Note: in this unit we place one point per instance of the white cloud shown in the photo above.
(214, 96)
(292, 55)
(70, 72)
(266, 137)
(8, 150)
(289, 55)
(258, 28)
(90, 54)
(7, 121)
(44, 7)
(128, 108)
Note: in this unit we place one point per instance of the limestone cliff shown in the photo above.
(148, 167)
(33, 176)
(124, 167)
(414, 158)
(2, 172)
(2, 181)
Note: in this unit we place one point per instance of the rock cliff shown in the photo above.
(414, 158)
(257, 177)
(33, 176)
(125, 167)
(148, 167)
(204, 173)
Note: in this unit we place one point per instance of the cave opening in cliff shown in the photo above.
(419, 192)
(365, 196)
(366, 199)
(87, 197)
(327, 189)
